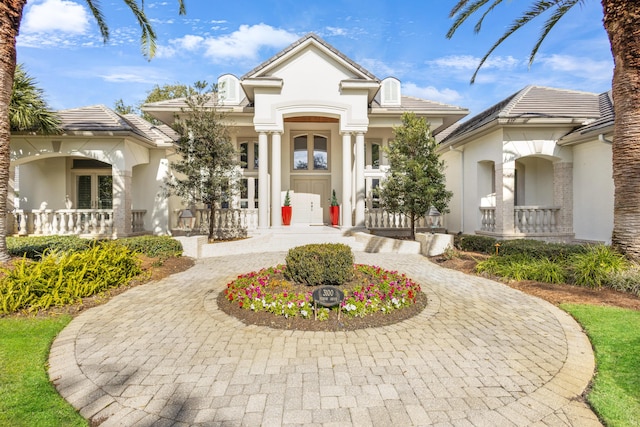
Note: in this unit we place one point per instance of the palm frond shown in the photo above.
(94, 6)
(562, 9)
(28, 111)
(465, 8)
(478, 25)
(148, 36)
(462, 16)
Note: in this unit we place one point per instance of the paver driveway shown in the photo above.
(479, 354)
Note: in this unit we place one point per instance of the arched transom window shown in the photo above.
(310, 152)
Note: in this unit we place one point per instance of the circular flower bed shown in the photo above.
(374, 297)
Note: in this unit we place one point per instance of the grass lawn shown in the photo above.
(27, 398)
(615, 336)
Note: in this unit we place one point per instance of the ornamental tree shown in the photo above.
(415, 181)
(208, 169)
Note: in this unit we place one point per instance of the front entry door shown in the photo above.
(311, 198)
(94, 191)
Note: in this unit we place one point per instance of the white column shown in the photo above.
(121, 202)
(360, 190)
(276, 179)
(251, 193)
(346, 180)
(263, 181)
(505, 197)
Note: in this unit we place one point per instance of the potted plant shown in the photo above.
(286, 210)
(334, 209)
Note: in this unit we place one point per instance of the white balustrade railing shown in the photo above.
(488, 220)
(137, 220)
(224, 219)
(536, 219)
(379, 218)
(92, 222)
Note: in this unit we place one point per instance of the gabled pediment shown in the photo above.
(308, 61)
(269, 67)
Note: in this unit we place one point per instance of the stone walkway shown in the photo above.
(480, 354)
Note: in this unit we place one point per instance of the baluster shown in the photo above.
(23, 224)
(101, 221)
(63, 222)
(54, 223)
(552, 220)
(37, 222)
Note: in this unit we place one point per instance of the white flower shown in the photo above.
(304, 313)
(253, 307)
(289, 304)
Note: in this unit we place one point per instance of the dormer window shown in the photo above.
(229, 89)
(390, 92)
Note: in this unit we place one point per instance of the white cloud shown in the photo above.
(247, 41)
(431, 93)
(131, 75)
(336, 31)
(580, 66)
(188, 42)
(244, 43)
(56, 16)
(468, 62)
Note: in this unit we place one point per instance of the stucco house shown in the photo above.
(310, 120)
(536, 165)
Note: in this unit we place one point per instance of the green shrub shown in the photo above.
(476, 243)
(34, 246)
(540, 250)
(519, 267)
(627, 280)
(596, 266)
(62, 278)
(153, 246)
(320, 264)
(548, 271)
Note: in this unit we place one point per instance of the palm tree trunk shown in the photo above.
(621, 23)
(10, 16)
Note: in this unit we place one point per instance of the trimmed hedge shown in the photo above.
(320, 264)
(540, 250)
(476, 243)
(34, 246)
(153, 246)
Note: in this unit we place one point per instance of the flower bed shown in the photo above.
(372, 291)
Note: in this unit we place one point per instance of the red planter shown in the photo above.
(334, 212)
(286, 215)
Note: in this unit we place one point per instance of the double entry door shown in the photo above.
(94, 191)
(311, 196)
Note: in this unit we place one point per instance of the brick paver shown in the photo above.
(479, 354)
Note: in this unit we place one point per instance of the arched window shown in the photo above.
(229, 89)
(310, 152)
(390, 93)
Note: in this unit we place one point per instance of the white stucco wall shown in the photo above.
(43, 181)
(147, 192)
(535, 181)
(593, 191)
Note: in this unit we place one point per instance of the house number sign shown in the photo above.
(327, 296)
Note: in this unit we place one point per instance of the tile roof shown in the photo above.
(99, 118)
(535, 102)
(606, 119)
(410, 103)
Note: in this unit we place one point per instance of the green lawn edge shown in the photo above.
(27, 397)
(615, 336)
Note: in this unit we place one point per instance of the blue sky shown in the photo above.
(61, 47)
